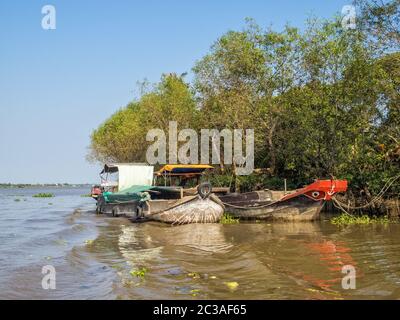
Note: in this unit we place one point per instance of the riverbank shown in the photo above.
(386, 208)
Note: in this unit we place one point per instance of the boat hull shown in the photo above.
(300, 208)
(126, 209)
(188, 210)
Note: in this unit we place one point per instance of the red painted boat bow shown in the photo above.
(320, 190)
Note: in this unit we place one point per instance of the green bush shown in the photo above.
(346, 219)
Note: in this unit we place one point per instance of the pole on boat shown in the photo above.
(284, 180)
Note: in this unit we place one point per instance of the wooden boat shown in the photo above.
(169, 204)
(146, 200)
(189, 209)
(301, 205)
(114, 196)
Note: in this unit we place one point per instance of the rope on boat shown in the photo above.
(177, 204)
(255, 207)
(337, 203)
(188, 217)
(379, 197)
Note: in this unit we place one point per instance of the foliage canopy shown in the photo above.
(323, 102)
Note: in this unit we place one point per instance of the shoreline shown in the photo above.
(44, 185)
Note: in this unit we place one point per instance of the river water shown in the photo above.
(95, 257)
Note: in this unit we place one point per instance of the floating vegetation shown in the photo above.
(138, 273)
(229, 219)
(194, 292)
(50, 204)
(335, 294)
(194, 275)
(346, 219)
(233, 285)
(17, 200)
(86, 196)
(43, 195)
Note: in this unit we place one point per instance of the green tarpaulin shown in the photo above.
(137, 193)
(134, 193)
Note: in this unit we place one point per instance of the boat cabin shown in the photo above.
(180, 175)
(176, 180)
(187, 177)
(120, 176)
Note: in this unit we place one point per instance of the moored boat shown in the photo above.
(140, 196)
(304, 204)
(168, 203)
(189, 209)
(117, 193)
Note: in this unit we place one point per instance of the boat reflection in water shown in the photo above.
(212, 255)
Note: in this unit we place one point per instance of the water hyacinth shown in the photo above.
(229, 219)
(140, 273)
(232, 285)
(43, 195)
(346, 219)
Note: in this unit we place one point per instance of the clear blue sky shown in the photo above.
(57, 86)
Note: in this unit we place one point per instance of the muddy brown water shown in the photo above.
(243, 261)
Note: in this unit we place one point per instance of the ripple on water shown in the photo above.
(94, 257)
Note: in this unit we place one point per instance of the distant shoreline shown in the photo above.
(43, 185)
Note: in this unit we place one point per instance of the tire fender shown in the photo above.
(204, 190)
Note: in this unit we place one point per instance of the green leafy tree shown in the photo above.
(122, 137)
